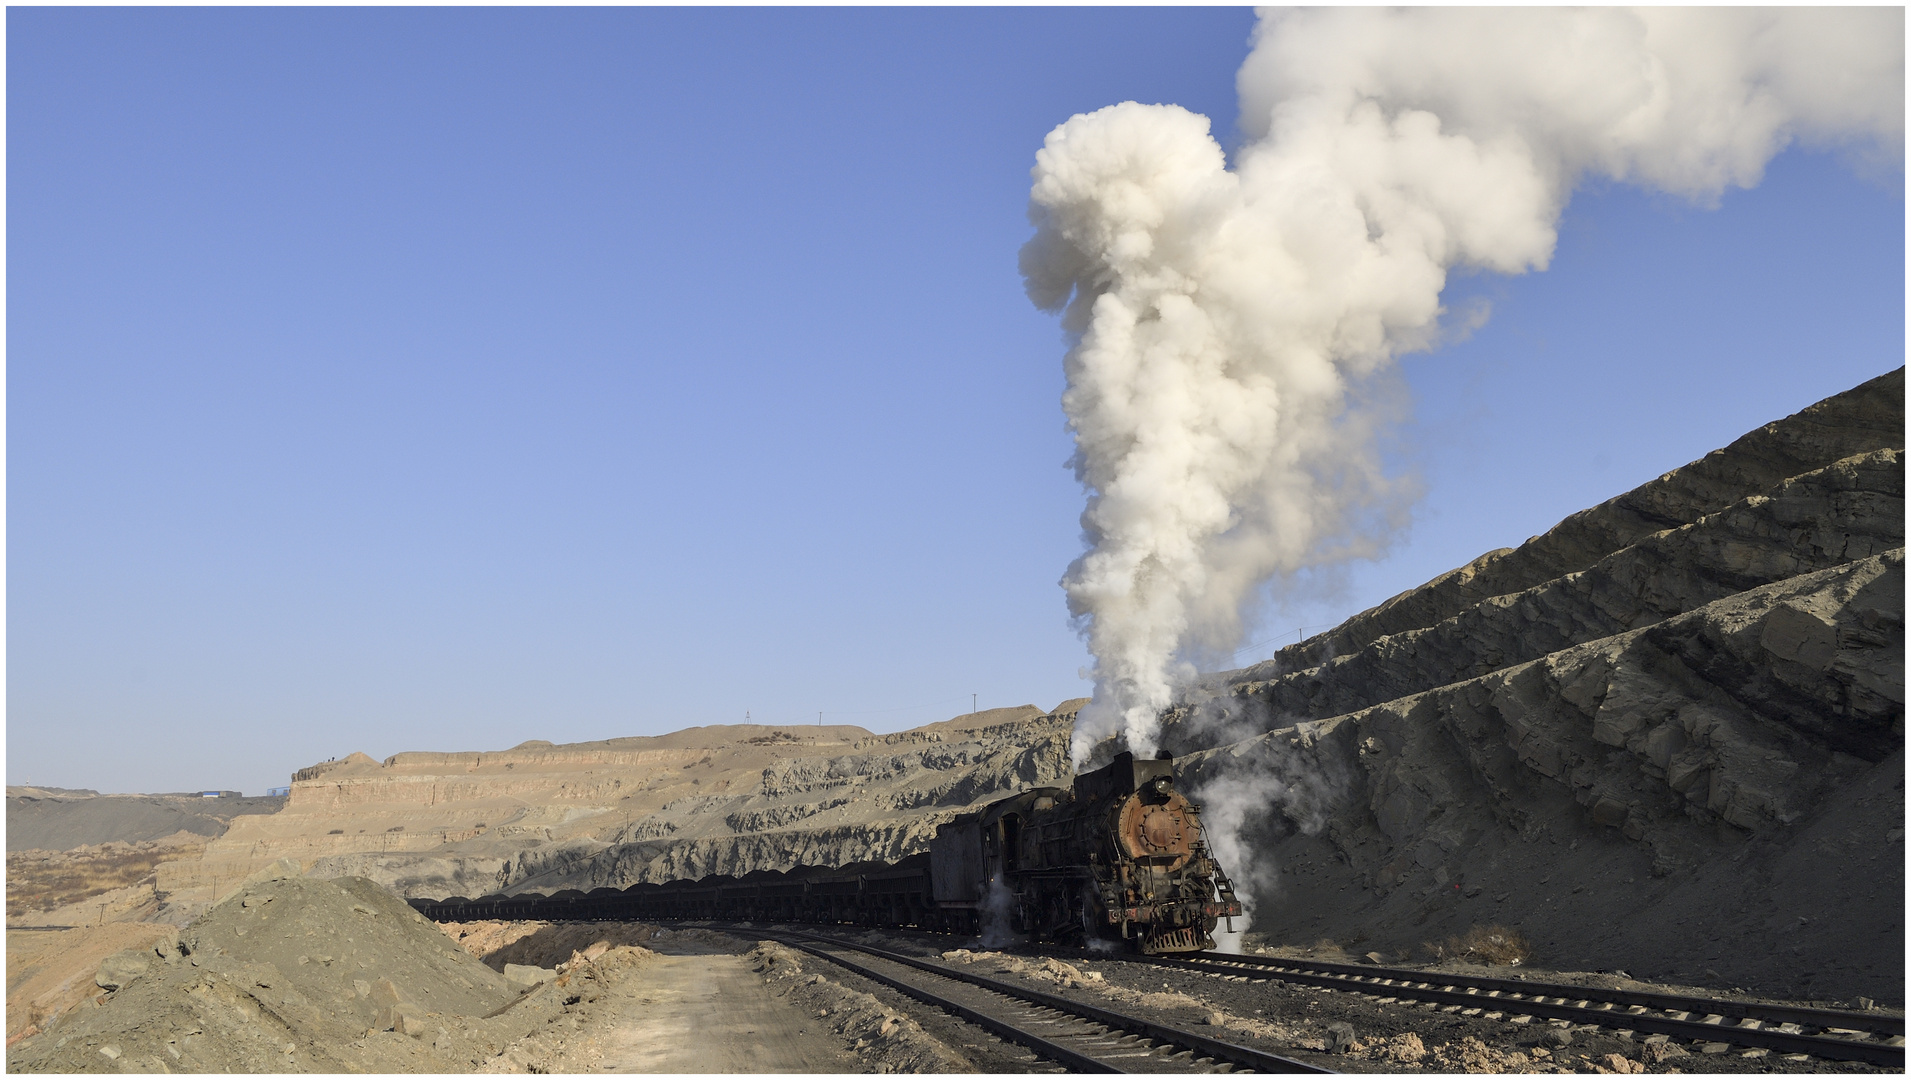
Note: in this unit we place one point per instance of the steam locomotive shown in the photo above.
(1118, 856)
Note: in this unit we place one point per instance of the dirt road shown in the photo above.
(711, 1013)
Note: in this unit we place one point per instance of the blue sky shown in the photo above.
(438, 379)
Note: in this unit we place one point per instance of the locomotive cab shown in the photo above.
(985, 846)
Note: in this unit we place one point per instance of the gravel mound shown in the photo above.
(51, 972)
(296, 975)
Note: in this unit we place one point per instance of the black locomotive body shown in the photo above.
(1117, 856)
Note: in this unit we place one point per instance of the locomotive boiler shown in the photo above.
(1117, 856)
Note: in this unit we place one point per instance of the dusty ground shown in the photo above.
(67, 911)
(710, 1009)
(711, 1013)
(714, 1002)
(295, 974)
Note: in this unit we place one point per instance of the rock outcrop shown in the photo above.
(1866, 418)
(726, 799)
(1681, 753)
(1851, 509)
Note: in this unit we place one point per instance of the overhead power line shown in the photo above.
(1299, 632)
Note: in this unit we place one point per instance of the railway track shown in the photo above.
(1077, 1036)
(1832, 1034)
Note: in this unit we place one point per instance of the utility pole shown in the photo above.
(819, 719)
(972, 706)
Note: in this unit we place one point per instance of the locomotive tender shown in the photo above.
(1117, 856)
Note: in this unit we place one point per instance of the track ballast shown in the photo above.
(1078, 1036)
(1832, 1034)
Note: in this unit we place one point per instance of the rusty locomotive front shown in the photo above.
(1117, 856)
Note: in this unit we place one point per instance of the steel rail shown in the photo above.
(1075, 1061)
(1243, 1056)
(1877, 1023)
(1547, 1000)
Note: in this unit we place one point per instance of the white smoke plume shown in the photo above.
(1232, 328)
(1251, 790)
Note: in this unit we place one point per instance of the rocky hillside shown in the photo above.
(1867, 418)
(1667, 735)
(59, 819)
(726, 799)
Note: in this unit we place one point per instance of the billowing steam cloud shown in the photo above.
(1232, 327)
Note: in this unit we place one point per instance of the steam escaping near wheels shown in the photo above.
(998, 916)
(1232, 326)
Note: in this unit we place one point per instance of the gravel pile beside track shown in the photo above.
(304, 975)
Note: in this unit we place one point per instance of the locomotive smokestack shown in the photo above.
(1233, 329)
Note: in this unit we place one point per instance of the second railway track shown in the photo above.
(1077, 1036)
(1832, 1034)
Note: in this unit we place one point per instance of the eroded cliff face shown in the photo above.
(1865, 418)
(725, 799)
(1826, 518)
(1683, 752)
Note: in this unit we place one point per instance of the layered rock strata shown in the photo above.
(1828, 517)
(723, 799)
(1683, 753)
(1866, 418)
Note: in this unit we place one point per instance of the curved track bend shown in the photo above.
(1080, 1037)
